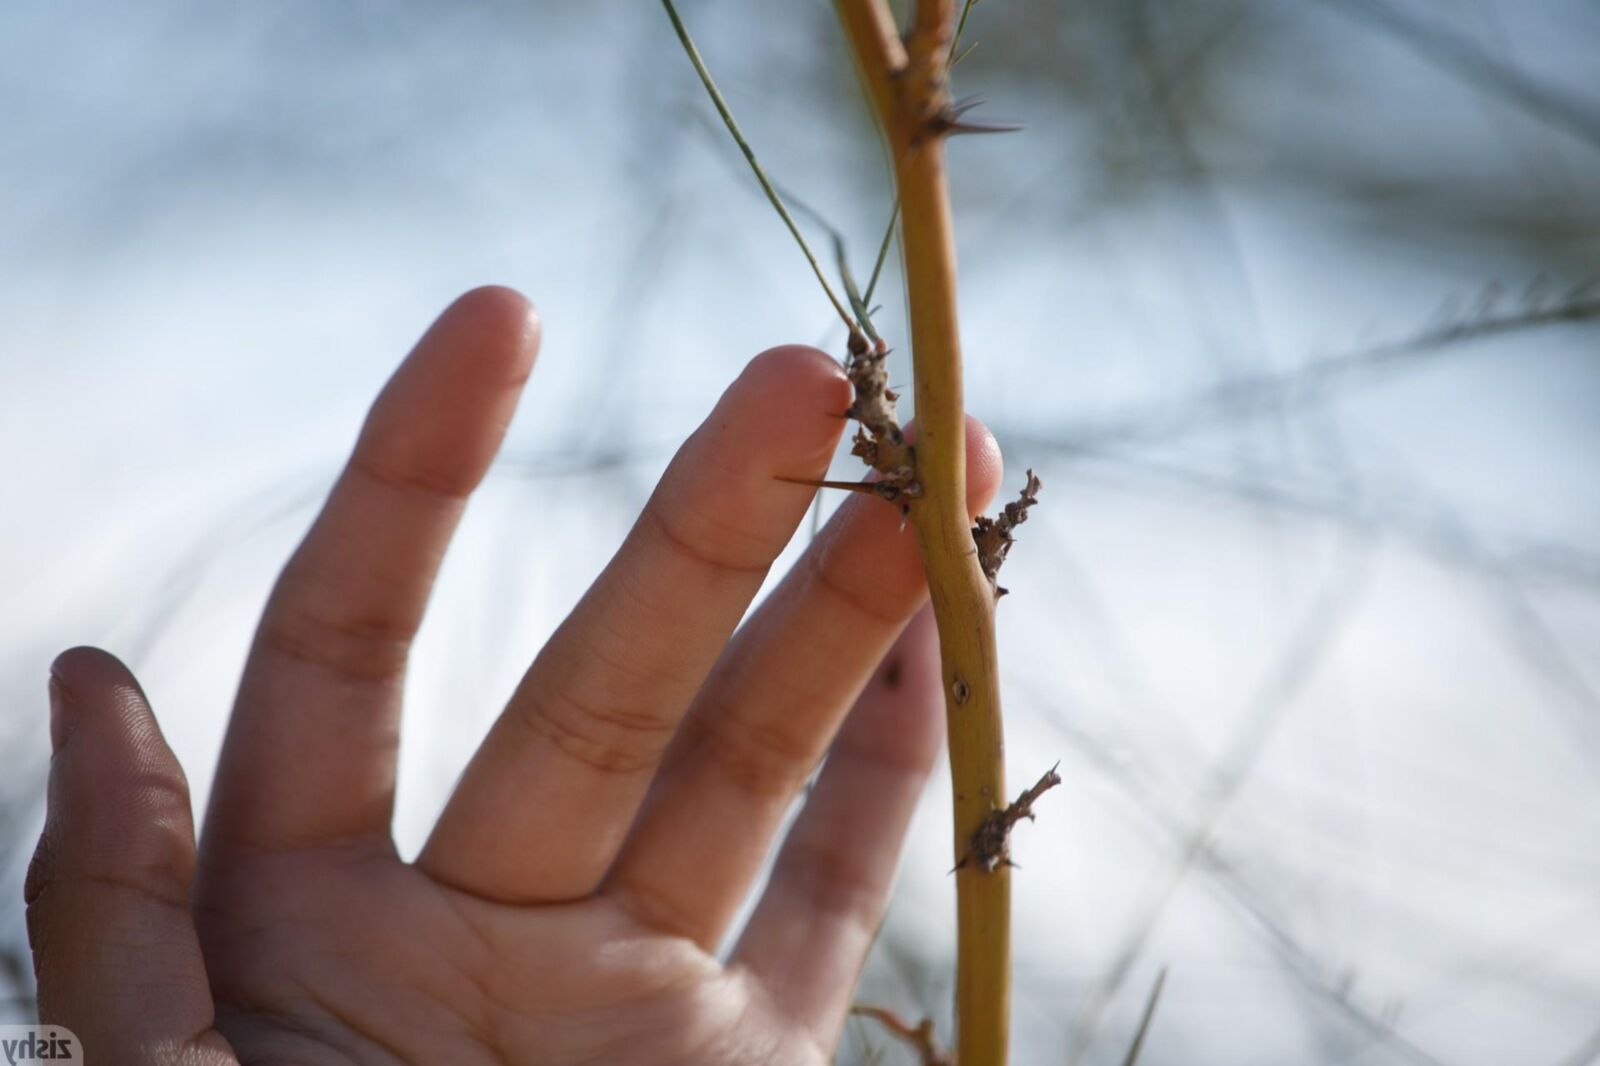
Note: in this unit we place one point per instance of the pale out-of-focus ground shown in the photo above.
(1290, 304)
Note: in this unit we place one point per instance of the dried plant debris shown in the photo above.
(918, 1037)
(879, 442)
(990, 846)
(993, 535)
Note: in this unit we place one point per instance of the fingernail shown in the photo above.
(58, 714)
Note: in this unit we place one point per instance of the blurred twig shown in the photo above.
(1134, 1049)
(1391, 511)
(1247, 395)
(1453, 51)
(1314, 977)
(1294, 667)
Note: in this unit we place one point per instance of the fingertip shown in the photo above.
(495, 306)
(809, 372)
(792, 397)
(89, 685)
(439, 421)
(490, 299)
(985, 466)
(76, 673)
(118, 753)
(82, 668)
(496, 320)
(796, 358)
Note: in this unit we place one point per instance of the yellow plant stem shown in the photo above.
(906, 81)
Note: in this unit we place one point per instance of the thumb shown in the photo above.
(114, 947)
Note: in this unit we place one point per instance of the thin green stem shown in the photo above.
(883, 251)
(857, 302)
(750, 157)
(961, 24)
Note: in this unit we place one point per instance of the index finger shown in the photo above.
(310, 751)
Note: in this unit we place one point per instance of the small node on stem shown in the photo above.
(918, 1037)
(961, 690)
(990, 846)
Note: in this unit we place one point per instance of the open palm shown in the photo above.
(569, 904)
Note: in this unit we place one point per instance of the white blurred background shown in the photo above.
(1291, 305)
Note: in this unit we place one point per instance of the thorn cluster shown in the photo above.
(993, 535)
(879, 442)
(990, 846)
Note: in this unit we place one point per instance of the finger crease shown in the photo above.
(891, 755)
(653, 909)
(607, 740)
(359, 648)
(850, 598)
(446, 486)
(759, 757)
(834, 881)
(697, 554)
(172, 896)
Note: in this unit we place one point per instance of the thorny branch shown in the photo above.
(907, 78)
(990, 847)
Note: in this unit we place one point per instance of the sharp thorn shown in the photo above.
(847, 486)
(957, 128)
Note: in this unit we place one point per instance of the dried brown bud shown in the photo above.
(993, 535)
(880, 442)
(990, 847)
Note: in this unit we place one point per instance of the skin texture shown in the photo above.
(569, 904)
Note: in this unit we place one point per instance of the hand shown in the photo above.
(568, 905)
